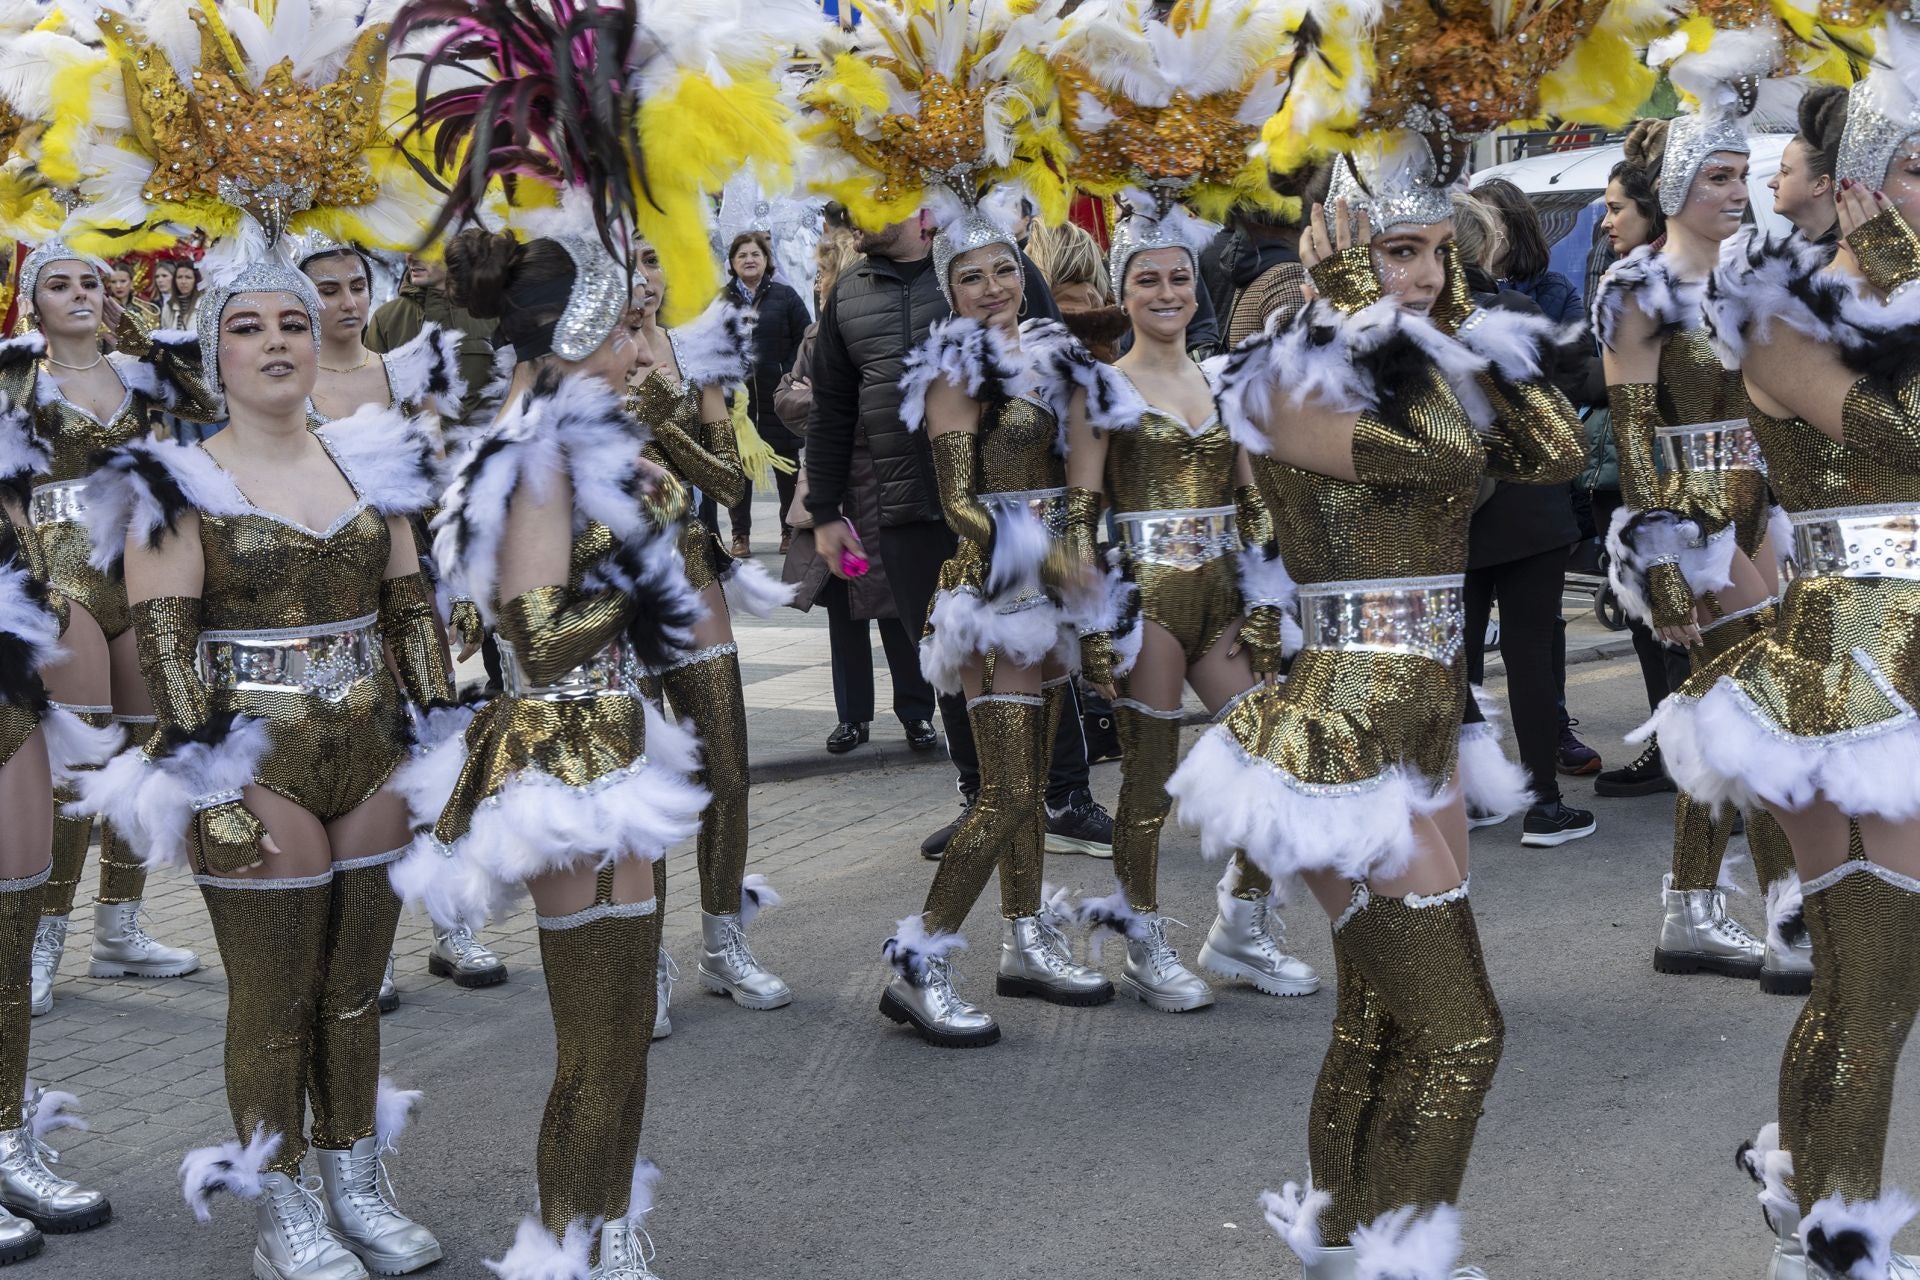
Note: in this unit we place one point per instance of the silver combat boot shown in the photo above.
(123, 949)
(29, 1189)
(295, 1242)
(1036, 961)
(728, 967)
(456, 954)
(928, 1003)
(664, 977)
(360, 1207)
(1244, 944)
(1336, 1263)
(1790, 974)
(1155, 975)
(625, 1251)
(389, 998)
(49, 943)
(1698, 936)
(19, 1239)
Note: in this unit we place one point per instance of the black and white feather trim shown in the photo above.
(1639, 540)
(717, 348)
(1645, 277)
(150, 798)
(141, 490)
(569, 428)
(1518, 346)
(231, 1167)
(391, 460)
(1065, 365)
(29, 631)
(19, 352)
(1772, 1169)
(962, 625)
(424, 374)
(979, 360)
(1853, 1239)
(912, 947)
(1763, 281)
(1346, 362)
(23, 454)
(173, 358)
(751, 589)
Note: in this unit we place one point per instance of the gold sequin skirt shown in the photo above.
(1824, 703)
(1022, 622)
(1328, 770)
(536, 786)
(329, 756)
(102, 596)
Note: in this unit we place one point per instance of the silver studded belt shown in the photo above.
(612, 670)
(324, 661)
(1859, 542)
(1426, 617)
(1049, 506)
(59, 502)
(1711, 446)
(1178, 539)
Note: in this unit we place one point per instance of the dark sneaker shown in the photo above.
(1644, 777)
(845, 737)
(1555, 824)
(1081, 827)
(920, 735)
(1576, 758)
(934, 847)
(1478, 818)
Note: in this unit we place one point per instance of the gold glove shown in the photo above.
(463, 617)
(411, 630)
(1887, 250)
(1347, 279)
(1260, 637)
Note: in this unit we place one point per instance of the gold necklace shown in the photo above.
(77, 368)
(364, 362)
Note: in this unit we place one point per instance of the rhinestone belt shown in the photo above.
(1178, 539)
(1425, 617)
(612, 670)
(59, 502)
(1859, 542)
(324, 661)
(1712, 446)
(1049, 506)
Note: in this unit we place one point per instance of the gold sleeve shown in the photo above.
(463, 619)
(706, 454)
(551, 630)
(1348, 279)
(954, 455)
(1082, 549)
(1536, 437)
(411, 631)
(1669, 596)
(1635, 409)
(1433, 448)
(1884, 421)
(1251, 514)
(1455, 303)
(1887, 250)
(193, 400)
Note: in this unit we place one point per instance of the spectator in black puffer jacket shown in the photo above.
(783, 321)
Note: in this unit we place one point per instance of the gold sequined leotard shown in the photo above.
(26, 622)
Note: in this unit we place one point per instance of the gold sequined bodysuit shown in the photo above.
(1177, 483)
(74, 436)
(21, 560)
(1015, 465)
(335, 741)
(704, 455)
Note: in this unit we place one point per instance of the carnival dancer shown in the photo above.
(1694, 554)
(280, 616)
(1194, 539)
(680, 394)
(37, 741)
(420, 376)
(78, 402)
(1814, 719)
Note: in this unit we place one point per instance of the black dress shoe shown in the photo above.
(920, 734)
(845, 737)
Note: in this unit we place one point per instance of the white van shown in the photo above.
(1566, 188)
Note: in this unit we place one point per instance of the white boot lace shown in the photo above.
(1162, 960)
(301, 1218)
(28, 1160)
(136, 936)
(636, 1252)
(740, 957)
(669, 974)
(48, 942)
(1268, 932)
(369, 1189)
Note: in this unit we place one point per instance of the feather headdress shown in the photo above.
(643, 110)
(46, 73)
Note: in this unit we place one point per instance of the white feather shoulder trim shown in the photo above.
(1645, 277)
(978, 360)
(141, 490)
(717, 348)
(390, 459)
(425, 373)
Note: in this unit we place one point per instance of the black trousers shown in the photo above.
(913, 554)
(851, 651)
(1529, 594)
(740, 517)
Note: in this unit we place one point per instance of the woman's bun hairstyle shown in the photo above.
(480, 264)
(1823, 119)
(1646, 144)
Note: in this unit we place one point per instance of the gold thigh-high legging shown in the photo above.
(1003, 828)
(72, 835)
(123, 876)
(19, 918)
(1346, 1099)
(344, 1080)
(600, 965)
(1149, 752)
(1425, 1023)
(707, 691)
(272, 936)
(1836, 1079)
(1699, 834)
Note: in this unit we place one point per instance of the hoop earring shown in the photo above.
(1022, 313)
